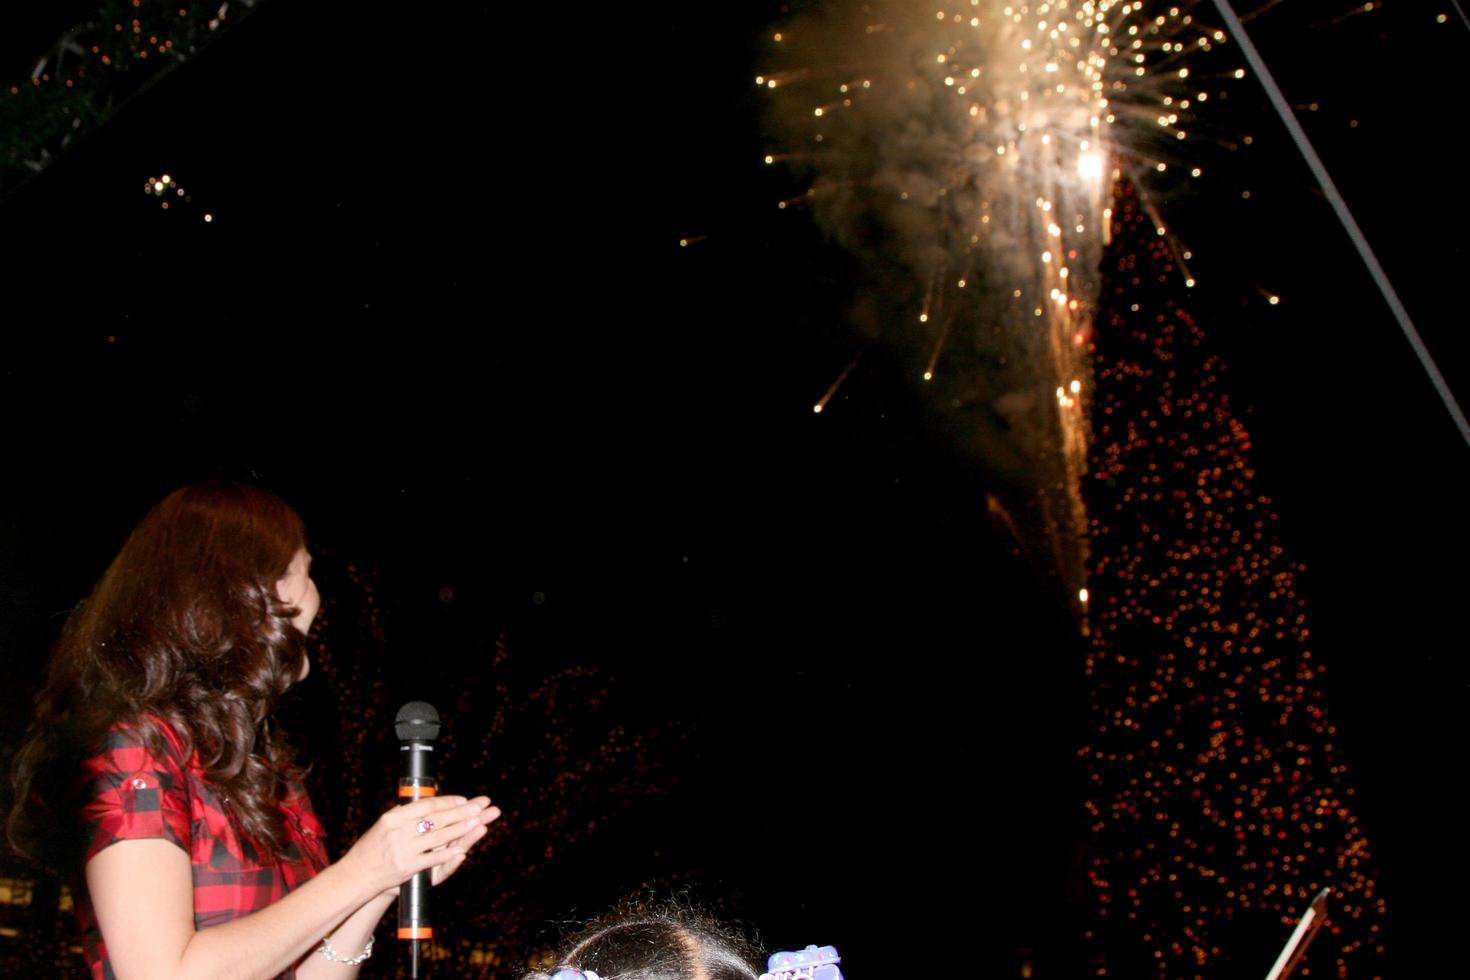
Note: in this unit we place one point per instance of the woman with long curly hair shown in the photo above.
(154, 773)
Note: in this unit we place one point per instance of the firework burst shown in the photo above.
(965, 150)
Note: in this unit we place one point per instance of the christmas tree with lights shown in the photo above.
(1218, 803)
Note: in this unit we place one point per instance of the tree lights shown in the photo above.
(1219, 804)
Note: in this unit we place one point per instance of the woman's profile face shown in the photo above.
(297, 589)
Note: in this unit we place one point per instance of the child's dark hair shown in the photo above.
(643, 943)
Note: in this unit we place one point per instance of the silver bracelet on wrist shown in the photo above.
(335, 957)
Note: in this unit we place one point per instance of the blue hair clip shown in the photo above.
(812, 963)
(568, 973)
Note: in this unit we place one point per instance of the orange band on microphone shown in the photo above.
(418, 792)
(416, 932)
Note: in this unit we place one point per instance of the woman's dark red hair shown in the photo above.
(184, 629)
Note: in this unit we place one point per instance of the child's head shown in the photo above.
(656, 944)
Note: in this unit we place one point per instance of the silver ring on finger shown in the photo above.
(424, 826)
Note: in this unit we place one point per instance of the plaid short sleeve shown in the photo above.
(131, 794)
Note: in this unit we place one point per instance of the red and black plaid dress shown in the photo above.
(131, 794)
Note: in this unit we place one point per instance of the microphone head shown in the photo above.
(417, 721)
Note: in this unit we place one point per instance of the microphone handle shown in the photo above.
(413, 917)
(414, 924)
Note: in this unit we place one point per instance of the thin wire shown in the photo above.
(1360, 242)
(1461, 11)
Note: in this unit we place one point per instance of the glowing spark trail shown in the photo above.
(822, 403)
(963, 150)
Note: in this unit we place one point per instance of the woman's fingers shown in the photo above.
(445, 858)
(447, 833)
(487, 816)
(434, 859)
(431, 806)
(459, 848)
(434, 820)
(470, 839)
(434, 833)
(463, 832)
(443, 871)
(477, 829)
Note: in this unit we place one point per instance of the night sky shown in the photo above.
(442, 308)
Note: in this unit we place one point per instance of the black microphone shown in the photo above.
(417, 726)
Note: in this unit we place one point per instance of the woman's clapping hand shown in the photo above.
(433, 833)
